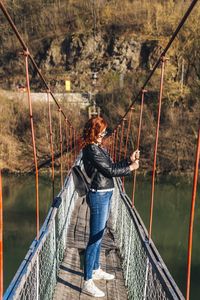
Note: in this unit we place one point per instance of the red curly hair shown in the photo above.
(93, 128)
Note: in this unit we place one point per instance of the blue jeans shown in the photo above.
(99, 203)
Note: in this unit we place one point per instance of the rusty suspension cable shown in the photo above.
(67, 144)
(127, 137)
(61, 148)
(24, 46)
(156, 145)
(51, 142)
(1, 239)
(113, 144)
(71, 144)
(74, 139)
(174, 35)
(26, 54)
(138, 144)
(121, 138)
(128, 131)
(117, 142)
(192, 210)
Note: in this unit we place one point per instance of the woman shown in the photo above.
(100, 167)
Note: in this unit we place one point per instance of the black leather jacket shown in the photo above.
(96, 159)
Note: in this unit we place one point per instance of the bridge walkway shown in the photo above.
(70, 276)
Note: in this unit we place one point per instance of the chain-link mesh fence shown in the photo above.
(36, 277)
(145, 274)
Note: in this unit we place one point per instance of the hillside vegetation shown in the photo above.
(121, 40)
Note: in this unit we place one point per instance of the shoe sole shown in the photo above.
(89, 294)
(103, 279)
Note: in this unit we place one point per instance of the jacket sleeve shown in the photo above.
(103, 163)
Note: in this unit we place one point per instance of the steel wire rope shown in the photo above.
(1, 238)
(112, 145)
(121, 138)
(183, 20)
(25, 48)
(138, 143)
(74, 139)
(61, 148)
(117, 142)
(71, 144)
(127, 137)
(67, 144)
(180, 25)
(26, 54)
(160, 59)
(27, 57)
(192, 211)
(51, 143)
(156, 145)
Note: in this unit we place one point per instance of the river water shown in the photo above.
(169, 232)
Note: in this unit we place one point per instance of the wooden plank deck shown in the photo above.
(70, 278)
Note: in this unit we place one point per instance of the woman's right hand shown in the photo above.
(134, 165)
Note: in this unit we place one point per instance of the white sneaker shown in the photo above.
(100, 274)
(91, 289)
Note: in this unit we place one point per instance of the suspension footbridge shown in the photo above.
(52, 268)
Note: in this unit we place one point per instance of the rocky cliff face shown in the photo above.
(111, 57)
(79, 56)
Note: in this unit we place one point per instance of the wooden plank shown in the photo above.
(108, 240)
(73, 222)
(70, 279)
(101, 284)
(112, 292)
(87, 226)
(115, 288)
(81, 226)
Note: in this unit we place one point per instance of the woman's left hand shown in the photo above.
(135, 155)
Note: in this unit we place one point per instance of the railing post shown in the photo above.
(111, 140)
(67, 143)
(1, 239)
(71, 142)
(122, 225)
(138, 144)
(127, 137)
(51, 141)
(116, 146)
(129, 250)
(163, 60)
(113, 146)
(190, 236)
(26, 54)
(122, 137)
(109, 144)
(74, 133)
(128, 131)
(37, 278)
(146, 279)
(55, 244)
(60, 131)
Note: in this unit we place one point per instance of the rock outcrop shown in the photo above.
(79, 56)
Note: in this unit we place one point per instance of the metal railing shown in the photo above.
(146, 275)
(36, 277)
